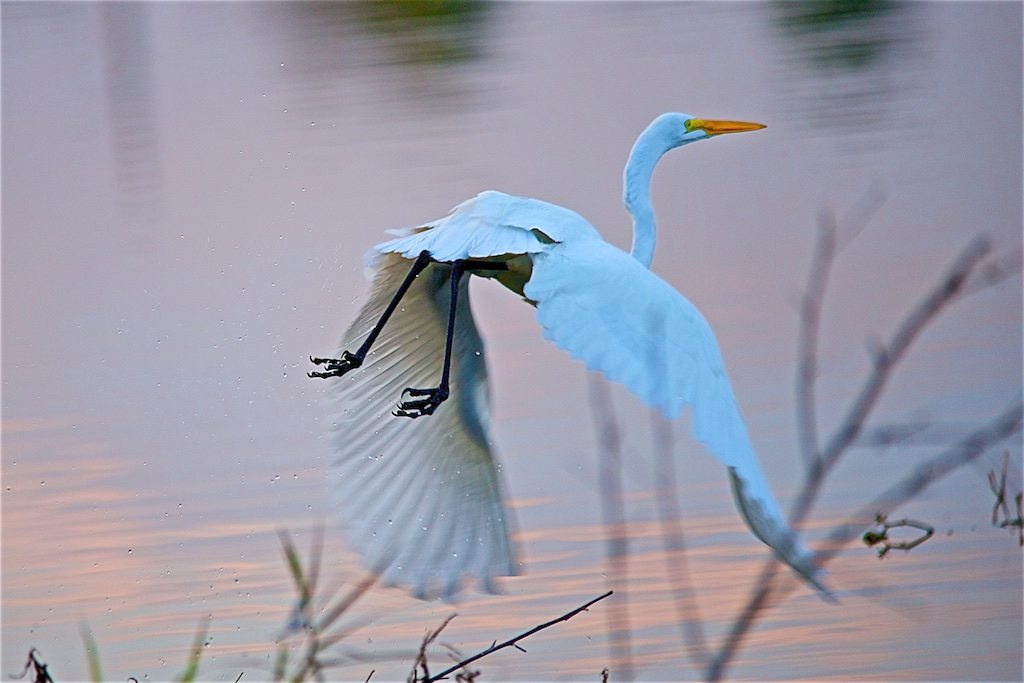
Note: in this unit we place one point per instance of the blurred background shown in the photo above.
(189, 189)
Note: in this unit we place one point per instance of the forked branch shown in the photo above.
(885, 358)
(511, 642)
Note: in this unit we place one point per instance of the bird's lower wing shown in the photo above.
(604, 308)
(422, 498)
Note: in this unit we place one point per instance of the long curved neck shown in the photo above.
(636, 190)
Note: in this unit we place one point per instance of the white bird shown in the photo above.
(423, 498)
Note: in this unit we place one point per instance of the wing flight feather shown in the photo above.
(422, 499)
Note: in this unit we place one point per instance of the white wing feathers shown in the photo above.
(422, 498)
(604, 308)
(492, 224)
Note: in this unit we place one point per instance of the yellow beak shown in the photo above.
(712, 127)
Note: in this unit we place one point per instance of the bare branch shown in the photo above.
(1002, 505)
(872, 537)
(609, 449)
(807, 345)
(885, 360)
(993, 272)
(998, 487)
(862, 214)
(330, 616)
(421, 658)
(513, 641)
(676, 565)
(746, 619)
(924, 475)
(893, 434)
(39, 672)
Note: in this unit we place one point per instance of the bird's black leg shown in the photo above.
(336, 367)
(434, 396)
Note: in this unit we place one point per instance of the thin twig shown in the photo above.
(807, 345)
(1002, 504)
(330, 616)
(828, 246)
(609, 448)
(872, 537)
(467, 675)
(1019, 521)
(512, 641)
(39, 672)
(861, 215)
(421, 658)
(316, 547)
(998, 487)
(674, 541)
(994, 271)
(316, 640)
(894, 434)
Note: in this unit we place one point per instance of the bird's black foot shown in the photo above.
(336, 367)
(419, 407)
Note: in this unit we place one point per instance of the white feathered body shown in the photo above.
(424, 497)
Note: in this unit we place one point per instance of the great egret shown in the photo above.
(423, 498)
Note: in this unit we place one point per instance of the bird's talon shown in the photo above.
(432, 398)
(336, 367)
(320, 375)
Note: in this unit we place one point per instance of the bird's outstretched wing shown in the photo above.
(422, 499)
(604, 308)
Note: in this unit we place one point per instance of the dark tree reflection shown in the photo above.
(850, 61)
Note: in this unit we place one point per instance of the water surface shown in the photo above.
(187, 194)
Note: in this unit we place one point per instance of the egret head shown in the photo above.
(664, 133)
(669, 131)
